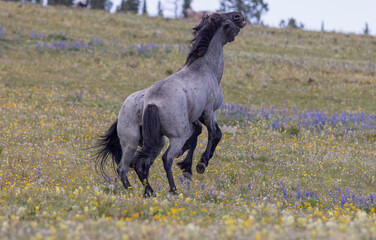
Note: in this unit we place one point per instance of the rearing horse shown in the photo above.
(193, 93)
(125, 135)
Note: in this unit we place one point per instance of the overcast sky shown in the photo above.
(338, 15)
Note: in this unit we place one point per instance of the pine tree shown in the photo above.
(252, 9)
(160, 10)
(187, 4)
(97, 4)
(144, 8)
(366, 30)
(130, 6)
(292, 23)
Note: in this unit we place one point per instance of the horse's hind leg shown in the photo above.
(176, 146)
(190, 145)
(155, 154)
(142, 167)
(123, 167)
(129, 140)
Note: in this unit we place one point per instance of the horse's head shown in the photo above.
(236, 17)
(228, 23)
(234, 21)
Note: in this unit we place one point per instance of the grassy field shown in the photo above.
(297, 160)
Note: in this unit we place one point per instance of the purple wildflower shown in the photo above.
(284, 191)
(299, 192)
(181, 180)
(343, 199)
(307, 194)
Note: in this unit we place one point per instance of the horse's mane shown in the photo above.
(202, 35)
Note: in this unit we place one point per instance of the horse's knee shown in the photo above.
(198, 128)
(217, 134)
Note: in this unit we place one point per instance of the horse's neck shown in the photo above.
(213, 60)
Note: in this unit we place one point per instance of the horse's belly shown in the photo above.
(196, 105)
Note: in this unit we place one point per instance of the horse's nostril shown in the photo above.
(236, 17)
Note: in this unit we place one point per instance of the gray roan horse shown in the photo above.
(173, 108)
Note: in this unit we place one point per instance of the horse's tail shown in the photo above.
(109, 144)
(151, 133)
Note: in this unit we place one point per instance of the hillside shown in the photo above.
(264, 67)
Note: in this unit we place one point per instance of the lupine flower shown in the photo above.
(284, 191)
(299, 192)
(343, 199)
(2, 32)
(307, 194)
(181, 180)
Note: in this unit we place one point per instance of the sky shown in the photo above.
(348, 16)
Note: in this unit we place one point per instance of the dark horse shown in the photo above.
(128, 132)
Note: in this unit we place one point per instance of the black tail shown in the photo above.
(109, 144)
(151, 133)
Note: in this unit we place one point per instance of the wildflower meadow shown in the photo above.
(297, 157)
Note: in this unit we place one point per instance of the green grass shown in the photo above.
(54, 104)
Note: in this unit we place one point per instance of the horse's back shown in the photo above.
(130, 117)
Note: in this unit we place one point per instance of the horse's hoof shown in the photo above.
(149, 194)
(200, 168)
(180, 165)
(174, 192)
(126, 185)
(187, 175)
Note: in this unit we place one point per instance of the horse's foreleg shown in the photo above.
(190, 145)
(215, 135)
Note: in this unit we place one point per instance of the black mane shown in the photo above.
(203, 34)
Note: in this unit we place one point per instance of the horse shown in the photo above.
(124, 136)
(193, 93)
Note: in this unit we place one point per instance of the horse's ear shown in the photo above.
(200, 25)
(215, 17)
